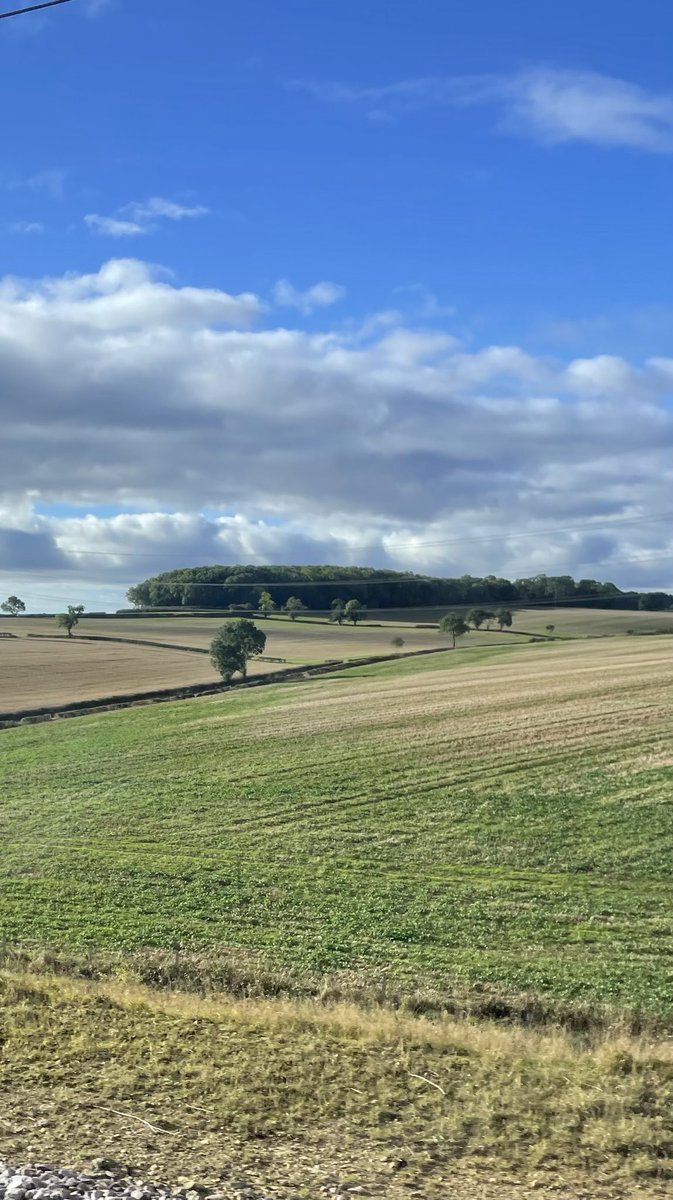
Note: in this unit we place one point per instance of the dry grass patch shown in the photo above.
(299, 1096)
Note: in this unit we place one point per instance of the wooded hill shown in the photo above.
(317, 586)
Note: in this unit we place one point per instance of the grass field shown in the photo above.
(486, 832)
(505, 822)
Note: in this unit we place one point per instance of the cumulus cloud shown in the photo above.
(138, 219)
(381, 443)
(320, 295)
(551, 105)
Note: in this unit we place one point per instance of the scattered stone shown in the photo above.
(106, 1179)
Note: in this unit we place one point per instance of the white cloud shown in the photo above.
(565, 106)
(551, 105)
(158, 206)
(137, 219)
(27, 227)
(122, 388)
(320, 295)
(114, 226)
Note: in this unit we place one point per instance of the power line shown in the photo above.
(16, 12)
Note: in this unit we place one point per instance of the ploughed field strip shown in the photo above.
(506, 823)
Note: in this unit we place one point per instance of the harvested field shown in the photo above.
(297, 641)
(36, 673)
(567, 622)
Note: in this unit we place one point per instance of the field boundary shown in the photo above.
(104, 637)
(81, 708)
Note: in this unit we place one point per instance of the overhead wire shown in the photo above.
(17, 12)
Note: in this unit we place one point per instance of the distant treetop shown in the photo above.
(318, 587)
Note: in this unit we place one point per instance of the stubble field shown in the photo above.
(38, 673)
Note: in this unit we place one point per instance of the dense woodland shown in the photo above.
(317, 586)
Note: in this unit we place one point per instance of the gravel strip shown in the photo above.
(108, 1180)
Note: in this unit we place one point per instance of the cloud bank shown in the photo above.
(222, 437)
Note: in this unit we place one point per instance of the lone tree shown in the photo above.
(354, 611)
(397, 642)
(550, 628)
(337, 611)
(69, 619)
(453, 624)
(478, 617)
(504, 618)
(267, 604)
(13, 606)
(294, 606)
(233, 645)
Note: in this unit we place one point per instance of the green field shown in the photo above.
(407, 929)
(504, 823)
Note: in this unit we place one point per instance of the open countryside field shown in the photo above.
(39, 671)
(489, 831)
(298, 641)
(35, 674)
(505, 822)
(567, 622)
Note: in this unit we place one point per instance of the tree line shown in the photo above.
(316, 587)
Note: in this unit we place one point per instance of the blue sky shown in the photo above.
(318, 207)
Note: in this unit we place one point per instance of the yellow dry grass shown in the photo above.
(299, 1097)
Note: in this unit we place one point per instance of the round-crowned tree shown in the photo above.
(13, 606)
(454, 625)
(233, 645)
(294, 607)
